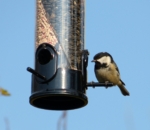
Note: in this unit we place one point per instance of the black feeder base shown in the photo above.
(58, 100)
(64, 92)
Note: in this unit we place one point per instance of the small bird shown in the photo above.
(106, 71)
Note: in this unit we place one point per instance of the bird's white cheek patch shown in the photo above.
(105, 59)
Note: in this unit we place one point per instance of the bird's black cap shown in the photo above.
(101, 54)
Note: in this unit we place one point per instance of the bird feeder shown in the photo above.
(59, 80)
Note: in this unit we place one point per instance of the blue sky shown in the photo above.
(120, 27)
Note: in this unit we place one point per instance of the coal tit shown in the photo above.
(106, 71)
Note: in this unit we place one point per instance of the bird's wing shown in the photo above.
(117, 68)
(118, 73)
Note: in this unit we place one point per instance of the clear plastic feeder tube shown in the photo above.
(60, 23)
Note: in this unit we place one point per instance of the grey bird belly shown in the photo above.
(101, 75)
(106, 74)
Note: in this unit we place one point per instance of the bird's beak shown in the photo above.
(93, 61)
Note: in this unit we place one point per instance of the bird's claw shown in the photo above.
(106, 83)
(92, 82)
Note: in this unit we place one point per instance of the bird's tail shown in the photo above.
(123, 90)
